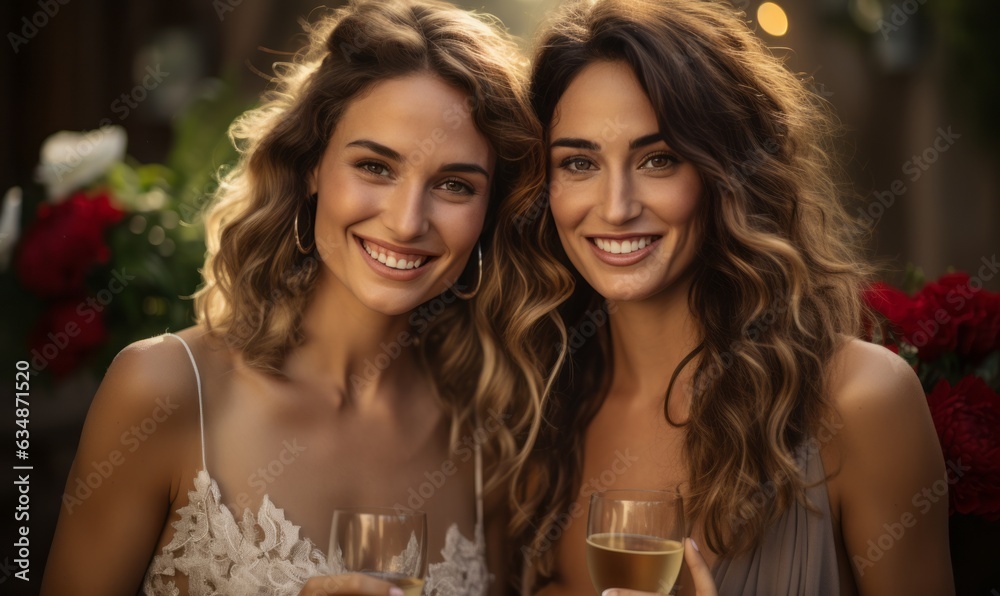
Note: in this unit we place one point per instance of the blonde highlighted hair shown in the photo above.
(257, 284)
(776, 284)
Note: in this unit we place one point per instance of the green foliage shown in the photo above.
(159, 246)
(913, 279)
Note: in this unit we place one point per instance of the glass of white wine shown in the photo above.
(635, 539)
(388, 544)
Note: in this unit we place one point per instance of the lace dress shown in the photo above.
(264, 554)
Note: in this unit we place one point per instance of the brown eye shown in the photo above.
(374, 167)
(577, 164)
(658, 161)
(457, 187)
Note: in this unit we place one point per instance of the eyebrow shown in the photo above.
(394, 155)
(646, 140)
(574, 143)
(377, 148)
(466, 167)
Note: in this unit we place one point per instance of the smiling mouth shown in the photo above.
(393, 259)
(623, 246)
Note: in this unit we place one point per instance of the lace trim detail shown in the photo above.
(258, 555)
(264, 554)
(463, 570)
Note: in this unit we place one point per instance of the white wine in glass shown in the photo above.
(388, 544)
(635, 540)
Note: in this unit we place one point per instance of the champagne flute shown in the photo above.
(388, 544)
(635, 539)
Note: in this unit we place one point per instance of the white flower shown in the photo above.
(72, 160)
(10, 225)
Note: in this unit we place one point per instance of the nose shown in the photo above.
(618, 204)
(405, 213)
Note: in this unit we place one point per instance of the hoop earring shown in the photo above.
(295, 230)
(479, 278)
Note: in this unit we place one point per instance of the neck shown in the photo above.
(351, 350)
(649, 339)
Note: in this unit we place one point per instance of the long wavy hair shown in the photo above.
(257, 284)
(776, 283)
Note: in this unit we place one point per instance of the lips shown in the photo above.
(391, 258)
(623, 246)
(623, 251)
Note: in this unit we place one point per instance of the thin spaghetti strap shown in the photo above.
(479, 486)
(201, 407)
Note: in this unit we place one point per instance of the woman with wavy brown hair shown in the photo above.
(711, 332)
(341, 357)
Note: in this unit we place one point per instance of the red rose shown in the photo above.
(893, 304)
(967, 419)
(946, 315)
(889, 301)
(64, 242)
(940, 310)
(66, 334)
(980, 335)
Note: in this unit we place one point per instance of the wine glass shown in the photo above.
(389, 544)
(635, 539)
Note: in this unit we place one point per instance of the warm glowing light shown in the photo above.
(772, 19)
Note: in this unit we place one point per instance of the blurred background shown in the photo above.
(914, 83)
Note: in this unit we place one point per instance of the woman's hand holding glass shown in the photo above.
(704, 584)
(636, 543)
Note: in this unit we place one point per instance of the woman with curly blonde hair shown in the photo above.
(342, 356)
(711, 335)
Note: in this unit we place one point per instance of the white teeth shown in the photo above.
(390, 261)
(623, 247)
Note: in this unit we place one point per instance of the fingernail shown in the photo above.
(395, 592)
(610, 592)
(694, 544)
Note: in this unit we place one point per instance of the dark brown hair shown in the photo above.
(775, 284)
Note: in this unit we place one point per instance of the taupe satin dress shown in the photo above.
(798, 556)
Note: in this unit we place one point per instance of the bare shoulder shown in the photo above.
(870, 385)
(887, 456)
(138, 446)
(889, 477)
(164, 364)
(150, 368)
(152, 383)
(880, 421)
(147, 409)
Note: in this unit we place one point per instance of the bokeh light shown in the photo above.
(772, 19)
